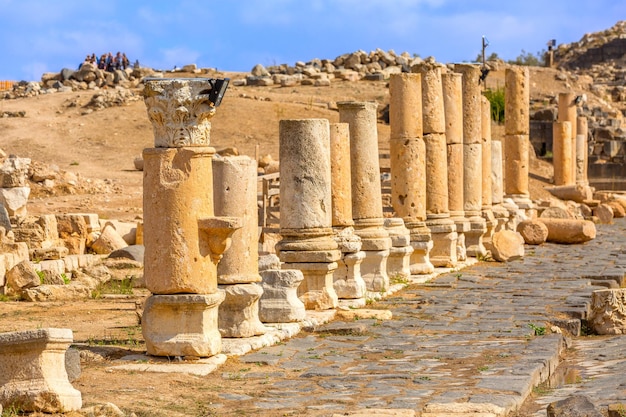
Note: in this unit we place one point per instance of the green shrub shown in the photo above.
(496, 99)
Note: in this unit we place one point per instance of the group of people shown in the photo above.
(108, 62)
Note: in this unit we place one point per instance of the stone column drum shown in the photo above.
(582, 156)
(183, 239)
(562, 153)
(487, 200)
(235, 195)
(453, 107)
(408, 165)
(367, 209)
(472, 159)
(500, 213)
(348, 282)
(442, 228)
(305, 210)
(567, 112)
(516, 139)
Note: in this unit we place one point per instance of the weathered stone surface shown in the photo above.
(279, 302)
(33, 376)
(128, 230)
(604, 213)
(507, 245)
(534, 232)
(108, 241)
(618, 210)
(578, 193)
(22, 276)
(74, 291)
(14, 200)
(134, 252)
(569, 230)
(239, 312)
(71, 225)
(39, 254)
(608, 311)
(14, 172)
(574, 406)
(556, 213)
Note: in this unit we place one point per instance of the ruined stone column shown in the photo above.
(472, 159)
(582, 156)
(567, 112)
(442, 228)
(487, 200)
(408, 165)
(367, 206)
(500, 213)
(348, 282)
(305, 210)
(453, 106)
(562, 153)
(183, 238)
(235, 194)
(516, 139)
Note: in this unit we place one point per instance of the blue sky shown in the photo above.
(41, 36)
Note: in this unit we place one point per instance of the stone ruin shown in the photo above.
(336, 245)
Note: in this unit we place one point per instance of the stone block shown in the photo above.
(33, 376)
(239, 312)
(14, 200)
(574, 406)
(74, 291)
(48, 253)
(71, 225)
(110, 240)
(534, 232)
(608, 311)
(279, 302)
(604, 213)
(21, 277)
(14, 172)
(127, 230)
(507, 245)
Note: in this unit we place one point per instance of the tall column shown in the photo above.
(367, 205)
(183, 239)
(408, 165)
(487, 200)
(500, 213)
(305, 209)
(348, 282)
(562, 153)
(567, 112)
(472, 159)
(582, 156)
(442, 228)
(453, 106)
(235, 194)
(516, 138)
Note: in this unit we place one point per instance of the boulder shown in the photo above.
(507, 245)
(22, 276)
(533, 231)
(574, 406)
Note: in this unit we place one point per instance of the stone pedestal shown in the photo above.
(305, 210)
(399, 262)
(367, 210)
(183, 239)
(472, 159)
(235, 195)
(453, 106)
(33, 376)
(279, 302)
(348, 282)
(408, 165)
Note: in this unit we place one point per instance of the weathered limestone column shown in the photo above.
(453, 107)
(183, 239)
(348, 282)
(487, 199)
(567, 112)
(472, 159)
(33, 376)
(516, 139)
(305, 210)
(235, 194)
(500, 213)
(582, 156)
(442, 228)
(408, 165)
(562, 153)
(367, 207)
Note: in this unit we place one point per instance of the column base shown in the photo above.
(399, 262)
(501, 216)
(347, 279)
(474, 237)
(374, 270)
(316, 290)
(524, 203)
(516, 214)
(490, 221)
(462, 226)
(445, 237)
(182, 325)
(239, 312)
(422, 243)
(279, 302)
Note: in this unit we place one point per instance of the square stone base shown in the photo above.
(316, 290)
(182, 324)
(374, 270)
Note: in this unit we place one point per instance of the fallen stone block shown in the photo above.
(109, 241)
(534, 232)
(577, 193)
(507, 245)
(73, 291)
(33, 376)
(569, 231)
(40, 254)
(14, 200)
(618, 209)
(22, 277)
(574, 406)
(556, 213)
(604, 213)
(608, 311)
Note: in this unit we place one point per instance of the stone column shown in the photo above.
(472, 159)
(235, 194)
(183, 239)
(500, 213)
(348, 282)
(582, 157)
(567, 112)
(408, 165)
(453, 107)
(516, 139)
(367, 209)
(562, 153)
(305, 210)
(442, 228)
(487, 199)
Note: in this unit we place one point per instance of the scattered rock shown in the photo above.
(574, 406)
(507, 245)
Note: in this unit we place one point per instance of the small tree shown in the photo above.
(496, 101)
